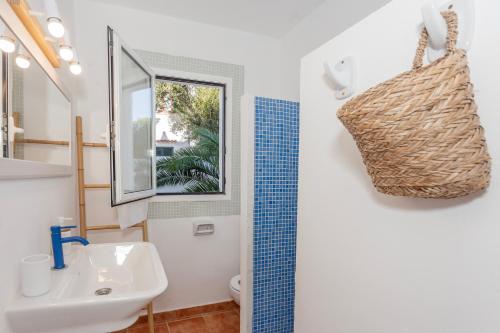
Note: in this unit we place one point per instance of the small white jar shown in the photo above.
(35, 275)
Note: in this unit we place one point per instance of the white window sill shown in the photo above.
(191, 198)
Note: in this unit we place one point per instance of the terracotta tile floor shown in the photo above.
(213, 318)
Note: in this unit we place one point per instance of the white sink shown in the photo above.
(133, 271)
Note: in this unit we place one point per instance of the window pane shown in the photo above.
(164, 151)
(189, 136)
(135, 126)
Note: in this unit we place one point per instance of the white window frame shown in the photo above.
(227, 133)
(118, 196)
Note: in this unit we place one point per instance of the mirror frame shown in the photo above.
(18, 169)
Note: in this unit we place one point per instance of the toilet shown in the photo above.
(234, 288)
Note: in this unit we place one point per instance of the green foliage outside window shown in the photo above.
(195, 106)
(194, 111)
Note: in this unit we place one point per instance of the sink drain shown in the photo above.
(103, 291)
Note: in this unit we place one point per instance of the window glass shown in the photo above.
(189, 136)
(164, 151)
(135, 126)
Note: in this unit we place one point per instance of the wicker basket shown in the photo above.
(419, 133)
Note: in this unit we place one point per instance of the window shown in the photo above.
(132, 128)
(167, 134)
(164, 152)
(189, 136)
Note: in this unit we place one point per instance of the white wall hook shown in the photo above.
(437, 29)
(342, 75)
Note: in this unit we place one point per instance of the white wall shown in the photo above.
(368, 262)
(27, 209)
(198, 268)
(325, 22)
(191, 283)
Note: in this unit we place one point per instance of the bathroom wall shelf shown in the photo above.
(82, 187)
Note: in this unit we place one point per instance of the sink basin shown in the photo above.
(103, 289)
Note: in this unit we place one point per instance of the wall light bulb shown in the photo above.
(55, 27)
(66, 52)
(7, 44)
(75, 68)
(23, 61)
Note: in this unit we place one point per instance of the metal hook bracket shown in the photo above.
(106, 136)
(437, 29)
(342, 75)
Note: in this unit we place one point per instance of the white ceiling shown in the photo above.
(268, 17)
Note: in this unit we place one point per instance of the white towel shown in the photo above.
(132, 213)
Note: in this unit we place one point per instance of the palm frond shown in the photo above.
(197, 168)
(205, 186)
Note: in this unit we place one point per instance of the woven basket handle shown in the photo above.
(451, 40)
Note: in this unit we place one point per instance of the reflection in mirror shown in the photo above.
(36, 115)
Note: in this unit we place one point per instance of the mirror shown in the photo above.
(36, 114)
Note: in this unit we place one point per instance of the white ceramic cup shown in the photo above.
(35, 275)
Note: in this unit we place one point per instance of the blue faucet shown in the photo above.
(58, 241)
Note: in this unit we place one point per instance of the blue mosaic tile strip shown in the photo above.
(275, 214)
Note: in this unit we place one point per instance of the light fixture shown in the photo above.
(75, 68)
(23, 61)
(7, 44)
(66, 52)
(55, 27)
(54, 22)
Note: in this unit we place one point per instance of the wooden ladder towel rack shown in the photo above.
(23, 141)
(82, 186)
(42, 142)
